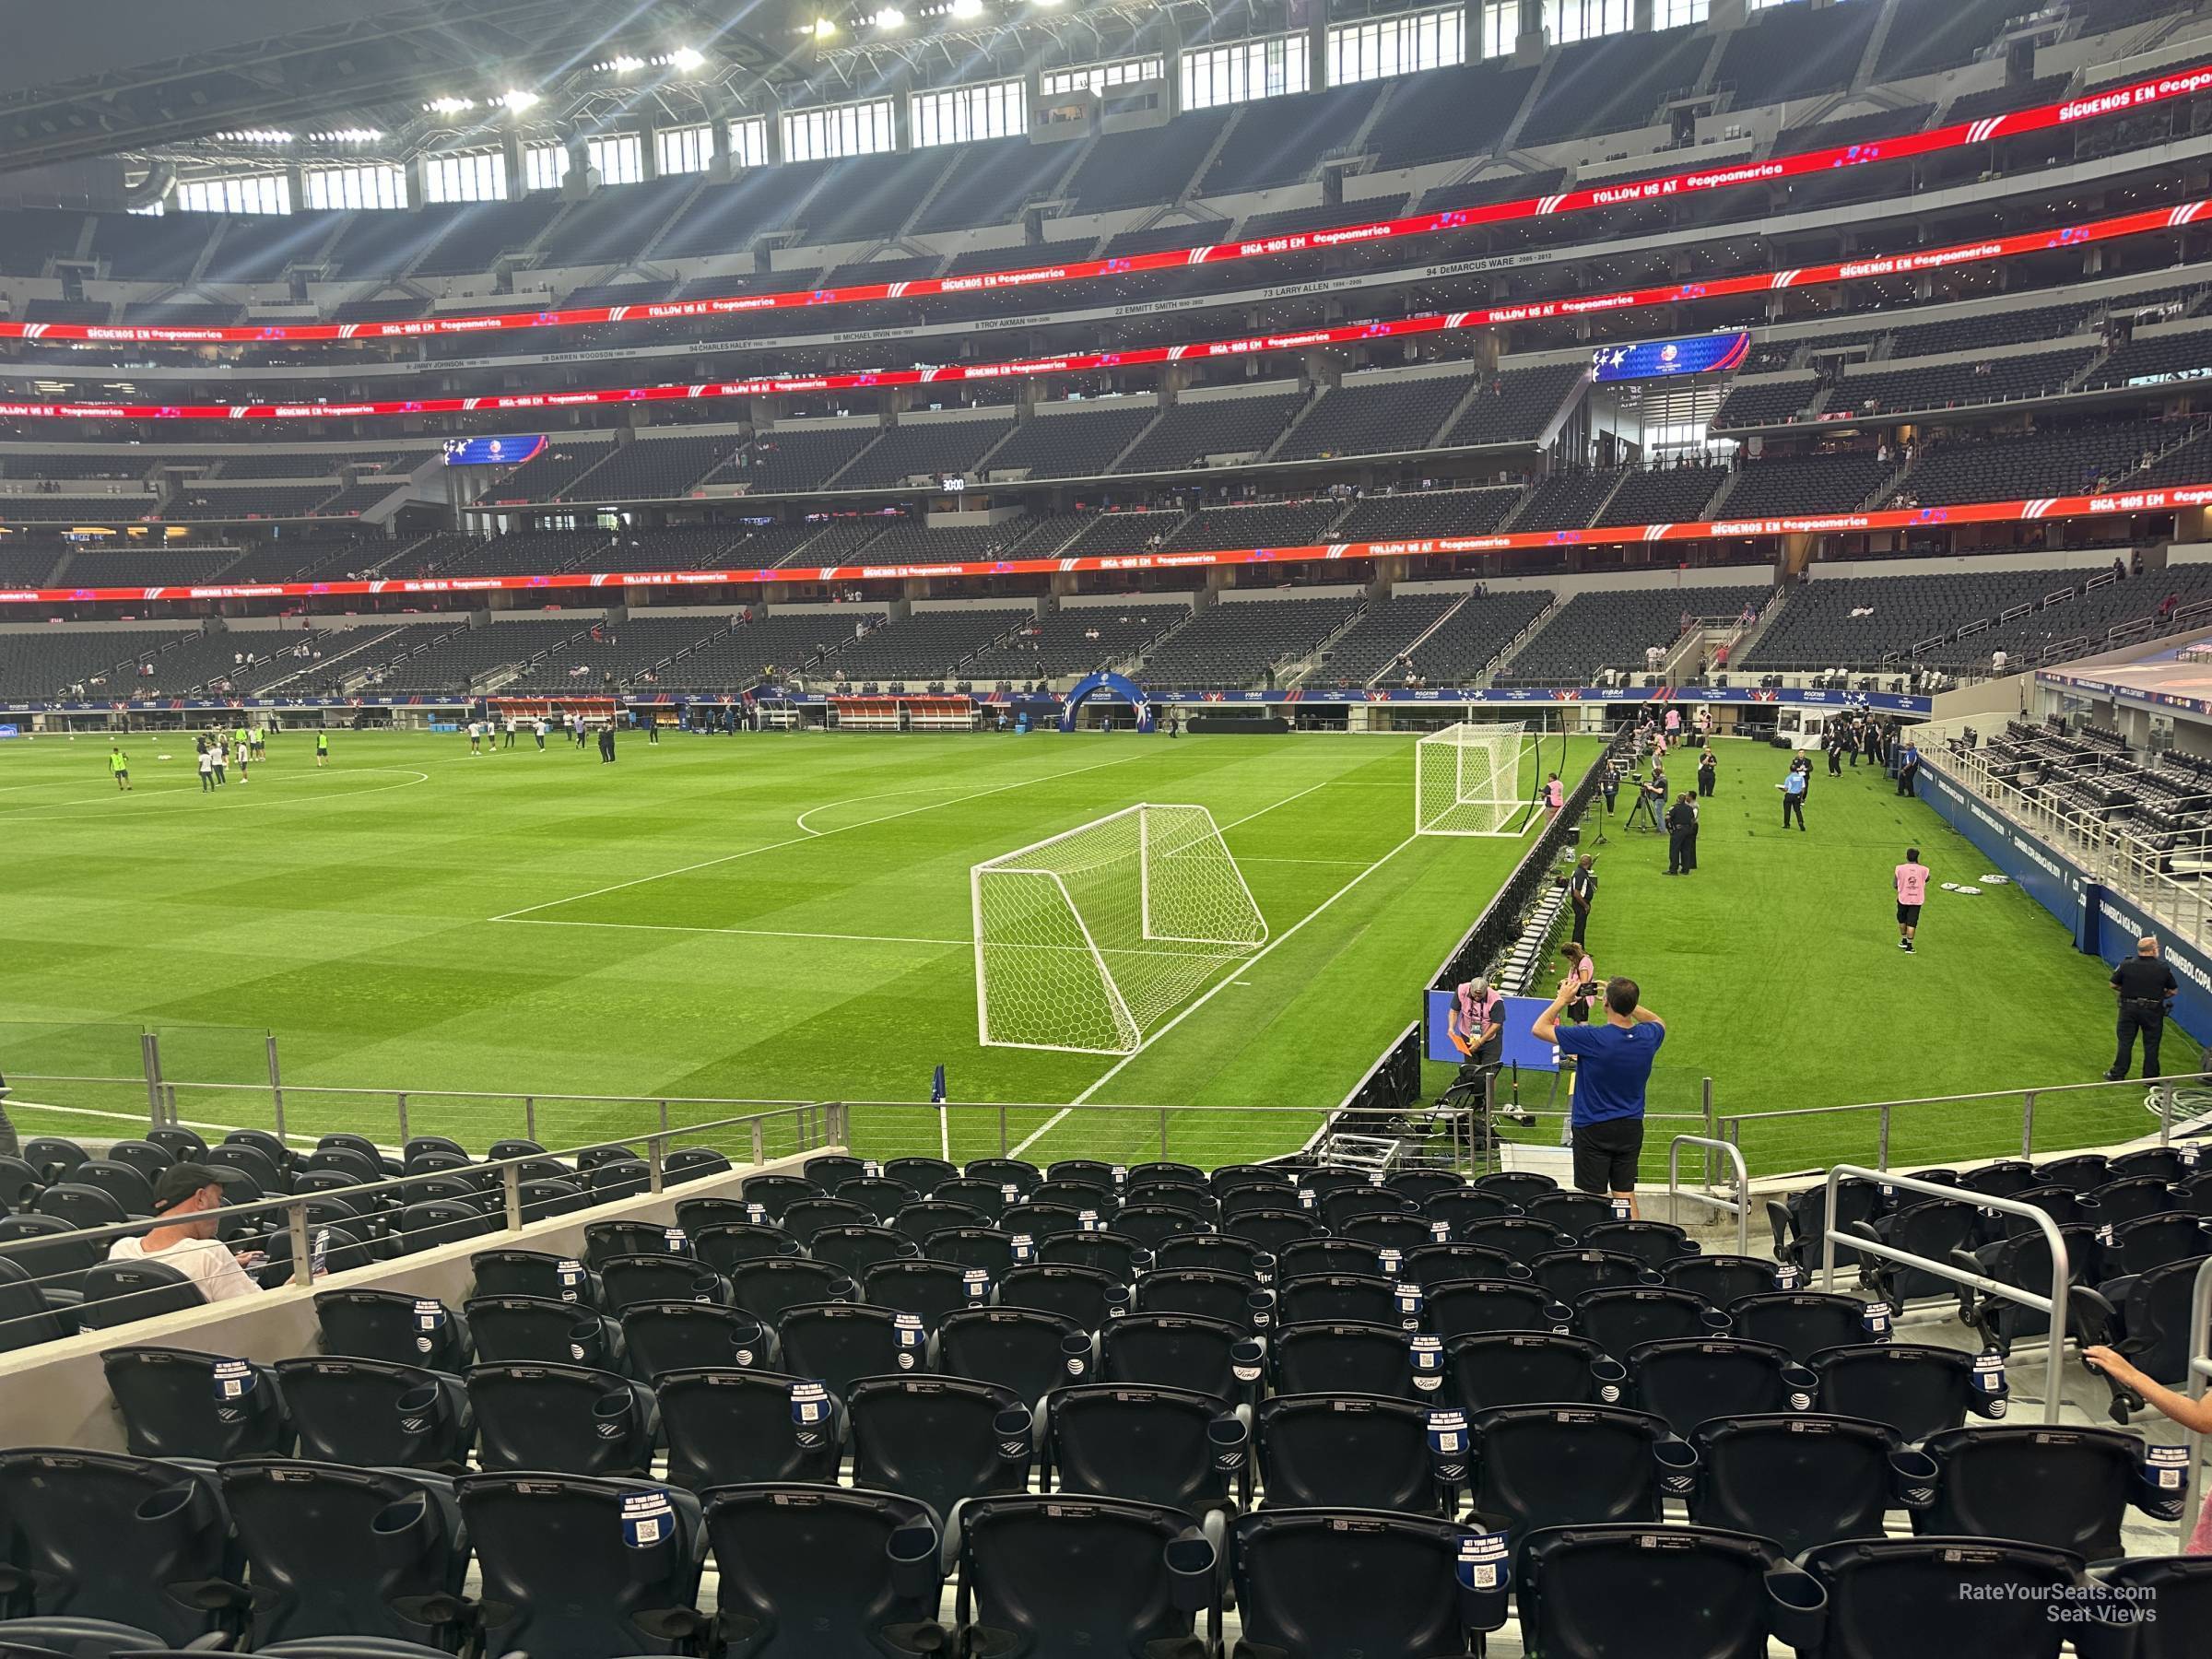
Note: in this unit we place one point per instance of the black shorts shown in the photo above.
(1908, 915)
(1605, 1155)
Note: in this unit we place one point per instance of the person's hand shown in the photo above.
(2098, 1357)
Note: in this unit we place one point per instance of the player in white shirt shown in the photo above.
(538, 730)
(187, 1197)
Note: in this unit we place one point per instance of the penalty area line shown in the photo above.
(1216, 989)
(812, 835)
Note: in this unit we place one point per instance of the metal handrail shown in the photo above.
(1742, 1207)
(293, 1205)
(1733, 1122)
(2060, 1268)
(2200, 1375)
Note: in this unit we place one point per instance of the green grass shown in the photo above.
(413, 918)
(1777, 971)
(774, 918)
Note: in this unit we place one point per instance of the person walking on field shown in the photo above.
(322, 748)
(1793, 798)
(207, 769)
(1911, 878)
(1582, 892)
(121, 767)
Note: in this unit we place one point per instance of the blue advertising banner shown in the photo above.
(1653, 359)
(1519, 1013)
(492, 452)
(2103, 924)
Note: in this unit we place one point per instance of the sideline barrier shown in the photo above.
(1243, 347)
(2061, 1269)
(2116, 100)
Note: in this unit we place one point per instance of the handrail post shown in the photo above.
(2028, 1125)
(1002, 1129)
(759, 1144)
(1743, 1182)
(1163, 1134)
(1881, 1155)
(1711, 1170)
(149, 1058)
(401, 1101)
(304, 1249)
(657, 1159)
(2166, 1122)
(276, 1084)
(510, 1192)
(529, 1117)
(2061, 1268)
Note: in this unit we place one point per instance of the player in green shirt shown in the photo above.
(120, 766)
(322, 748)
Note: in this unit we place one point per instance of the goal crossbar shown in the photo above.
(1467, 780)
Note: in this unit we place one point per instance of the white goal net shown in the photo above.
(1087, 942)
(1466, 781)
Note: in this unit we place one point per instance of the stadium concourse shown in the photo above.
(1056, 828)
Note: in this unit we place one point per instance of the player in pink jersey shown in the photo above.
(1911, 893)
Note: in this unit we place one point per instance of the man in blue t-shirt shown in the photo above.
(1613, 1063)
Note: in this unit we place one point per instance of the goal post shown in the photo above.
(1087, 941)
(1467, 781)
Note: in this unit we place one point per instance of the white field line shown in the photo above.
(1246, 964)
(31, 813)
(708, 863)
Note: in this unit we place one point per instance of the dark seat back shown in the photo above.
(808, 1571)
(1157, 1445)
(1024, 1349)
(331, 1551)
(177, 1402)
(573, 1561)
(1490, 1369)
(1593, 1590)
(725, 1425)
(119, 1292)
(104, 1535)
(536, 1328)
(391, 1324)
(682, 1336)
(1049, 1576)
(1800, 1478)
(941, 1440)
(1346, 1452)
(568, 1417)
(1322, 1583)
(375, 1415)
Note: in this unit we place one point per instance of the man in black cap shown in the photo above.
(187, 1197)
(2146, 987)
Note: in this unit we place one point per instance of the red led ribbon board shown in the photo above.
(1849, 270)
(2116, 100)
(2171, 499)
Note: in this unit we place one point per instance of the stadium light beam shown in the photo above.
(517, 99)
(685, 59)
(963, 10)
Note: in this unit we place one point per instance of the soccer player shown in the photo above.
(121, 767)
(537, 729)
(258, 741)
(215, 745)
(1911, 893)
(243, 753)
(207, 768)
(475, 736)
(509, 743)
(322, 748)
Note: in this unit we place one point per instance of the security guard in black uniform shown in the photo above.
(2146, 987)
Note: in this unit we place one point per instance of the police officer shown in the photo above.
(2146, 987)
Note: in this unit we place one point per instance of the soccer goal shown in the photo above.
(1466, 781)
(1087, 942)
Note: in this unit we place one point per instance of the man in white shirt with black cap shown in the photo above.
(187, 1197)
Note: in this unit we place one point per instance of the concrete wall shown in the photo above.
(56, 1394)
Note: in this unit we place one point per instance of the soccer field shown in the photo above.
(787, 917)
(774, 917)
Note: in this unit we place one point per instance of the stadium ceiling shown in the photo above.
(130, 76)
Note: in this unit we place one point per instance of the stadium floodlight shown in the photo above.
(685, 59)
(1087, 942)
(965, 9)
(1466, 781)
(889, 18)
(450, 105)
(515, 99)
(824, 27)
